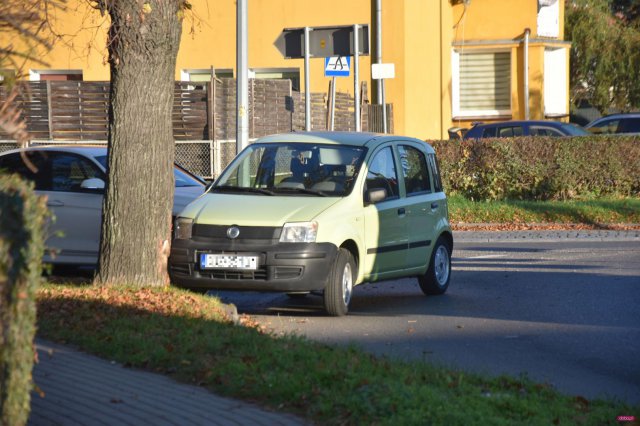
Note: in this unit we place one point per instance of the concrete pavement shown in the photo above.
(81, 389)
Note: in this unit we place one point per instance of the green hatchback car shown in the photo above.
(318, 212)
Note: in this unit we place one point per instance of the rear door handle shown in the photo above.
(434, 206)
(401, 211)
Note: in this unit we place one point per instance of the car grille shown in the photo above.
(246, 232)
(221, 274)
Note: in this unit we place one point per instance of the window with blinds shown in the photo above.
(481, 83)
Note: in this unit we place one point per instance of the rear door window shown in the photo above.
(69, 170)
(36, 171)
(382, 173)
(489, 132)
(544, 131)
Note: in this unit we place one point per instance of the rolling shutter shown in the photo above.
(485, 81)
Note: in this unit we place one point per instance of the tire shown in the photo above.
(436, 280)
(337, 293)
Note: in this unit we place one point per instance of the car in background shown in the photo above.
(616, 124)
(72, 177)
(318, 212)
(510, 129)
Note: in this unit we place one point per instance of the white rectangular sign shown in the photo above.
(380, 71)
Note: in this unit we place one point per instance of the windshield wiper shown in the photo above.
(229, 188)
(301, 191)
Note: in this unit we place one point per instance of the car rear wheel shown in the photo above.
(436, 280)
(337, 293)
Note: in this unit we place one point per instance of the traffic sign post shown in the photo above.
(340, 41)
(382, 72)
(335, 66)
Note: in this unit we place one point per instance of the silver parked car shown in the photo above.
(73, 179)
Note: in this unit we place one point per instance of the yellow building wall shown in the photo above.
(501, 25)
(418, 37)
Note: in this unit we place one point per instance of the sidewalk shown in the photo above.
(81, 389)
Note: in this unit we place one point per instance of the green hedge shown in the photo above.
(22, 216)
(540, 168)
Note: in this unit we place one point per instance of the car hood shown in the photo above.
(184, 195)
(255, 210)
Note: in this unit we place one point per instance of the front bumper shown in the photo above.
(286, 267)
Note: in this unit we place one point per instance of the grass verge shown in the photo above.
(600, 213)
(188, 337)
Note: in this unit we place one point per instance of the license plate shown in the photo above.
(228, 261)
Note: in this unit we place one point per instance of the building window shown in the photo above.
(200, 75)
(55, 75)
(481, 83)
(555, 82)
(292, 74)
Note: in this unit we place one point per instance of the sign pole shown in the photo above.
(384, 108)
(332, 113)
(307, 84)
(242, 79)
(356, 77)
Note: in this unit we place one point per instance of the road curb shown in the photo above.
(545, 235)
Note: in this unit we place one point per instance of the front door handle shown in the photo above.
(401, 211)
(434, 206)
(55, 203)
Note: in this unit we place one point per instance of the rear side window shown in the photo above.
(435, 172)
(414, 170)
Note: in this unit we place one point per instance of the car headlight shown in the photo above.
(299, 232)
(182, 228)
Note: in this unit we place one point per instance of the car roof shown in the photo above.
(618, 115)
(90, 150)
(523, 122)
(343, 138)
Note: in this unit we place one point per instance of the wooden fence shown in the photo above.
(78, 110)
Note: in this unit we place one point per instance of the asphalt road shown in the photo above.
(564, 312)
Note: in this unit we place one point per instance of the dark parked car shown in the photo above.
(628, 124)
(508, 129)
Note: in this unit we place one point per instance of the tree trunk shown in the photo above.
(136, 226)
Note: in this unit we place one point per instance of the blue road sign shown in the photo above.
(337, 66)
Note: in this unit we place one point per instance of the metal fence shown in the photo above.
(204, 158)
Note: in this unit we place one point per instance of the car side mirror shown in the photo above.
(376, 195)
(93, 183)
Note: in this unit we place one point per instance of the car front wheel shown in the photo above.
(337, 293)
(436, 280)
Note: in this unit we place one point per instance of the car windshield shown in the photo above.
(293, 169)
(183, 178)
